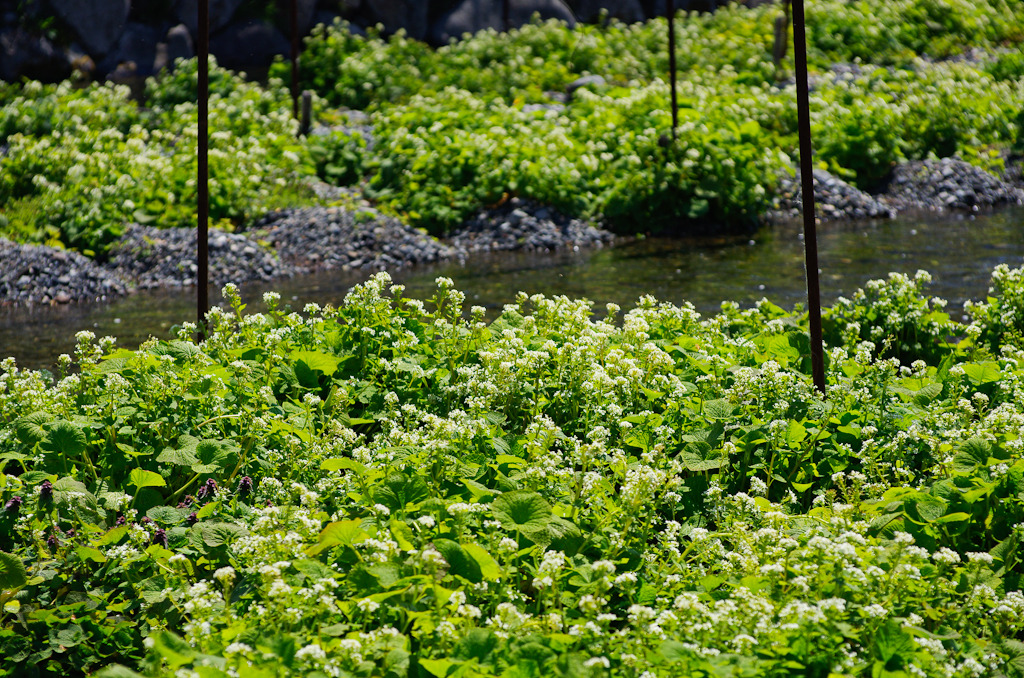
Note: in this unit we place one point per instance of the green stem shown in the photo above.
(178, 493)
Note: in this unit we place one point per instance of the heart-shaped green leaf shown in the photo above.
(142, 478)
(522, 510)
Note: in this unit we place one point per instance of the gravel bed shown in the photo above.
(523, 225)
(152, 257)
(326, 238)
(357, 236)
(38, 275)
(947, 184)
(833, 199)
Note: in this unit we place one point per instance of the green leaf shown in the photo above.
(675, 651)
(892, 642)
(400, 490)
(341, 533)
(142, 478)
(218, 534)
(29, 428)
(982, 373)
(12, 571)
(117, 671)
(522, 510)
(112, 536)
(403, 534)
(172, 649)
(477, 644)
(396, 662)
(184, 456)
(974, 452)
(437, 667)
(89, 553)
(700, 456)
(957, 517)
(317, 361)
(181, 351)
(489, 568)
(212, 456)
(65, 438)
(719, 409)
(342, 463)
(166, 516)
(796, 434)
(459, 562)
(67, 637)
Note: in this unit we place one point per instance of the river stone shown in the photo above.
(834, 199)
(153, 257)
(330, 238)
(589, 11)
(656, 8)
(37, 275)
(248, 44)
(305, 11)
(588, 81)
(23, 55)
(179, 44)
(947, 184)
(520, 224)
(412, 15)
(221, 13)
(137, 45)
(470, 16)
(97, 23)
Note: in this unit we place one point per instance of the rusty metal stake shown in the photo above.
(803, 106)
(203, 186)
(672, 64)
(295, 57)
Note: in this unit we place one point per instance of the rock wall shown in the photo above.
(125, 39)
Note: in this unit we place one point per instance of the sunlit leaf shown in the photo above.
(522, 510)
(142, 478)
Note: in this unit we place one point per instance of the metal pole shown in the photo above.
(504, 15)
(203, 186)
(295, 57)
(803, 106)
(672, 64)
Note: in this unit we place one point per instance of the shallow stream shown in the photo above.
(959, 251)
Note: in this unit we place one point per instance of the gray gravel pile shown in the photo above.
(166, 257)
(296, 241)
(947, 184)
(833, 199)
(523, 225)
(323, 238)
(34, 274)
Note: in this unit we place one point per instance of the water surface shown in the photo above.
(959, 251)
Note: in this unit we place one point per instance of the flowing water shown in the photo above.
(959, 251)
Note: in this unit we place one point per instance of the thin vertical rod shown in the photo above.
(202, 185)
(672, 64)
(803, 105)
(295, 57)
(504, 15)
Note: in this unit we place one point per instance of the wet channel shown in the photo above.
(958, 250)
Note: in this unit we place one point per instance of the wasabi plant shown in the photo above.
(396, 487)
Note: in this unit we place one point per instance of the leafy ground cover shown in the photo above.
(81, 163)
(465, 125)
(399, 488)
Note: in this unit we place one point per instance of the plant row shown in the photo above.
(464, 126)
(395, 487)
(81, 163)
